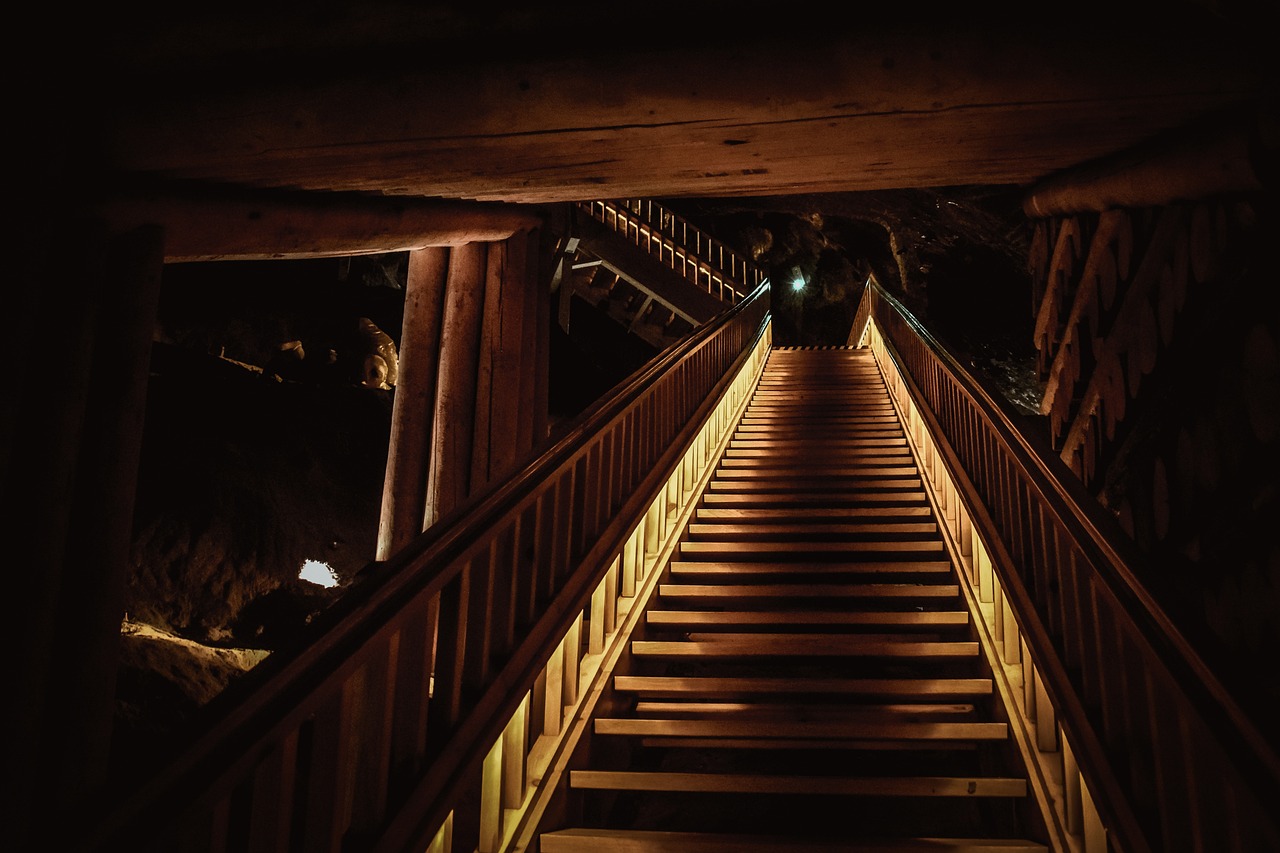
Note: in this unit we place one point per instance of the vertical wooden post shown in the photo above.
(491, 799)
(70, 443)
(497, 370)
(629, 554)
(572, 661)
(449, 479)
(540, 415)
(404, 492)
(515, 751)
(102, 523)
(553, 691)
(526, 271)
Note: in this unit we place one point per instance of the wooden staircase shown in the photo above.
(807, 676)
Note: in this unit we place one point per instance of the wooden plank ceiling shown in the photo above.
(549, 104)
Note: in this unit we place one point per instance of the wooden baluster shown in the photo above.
(451, 653)
(504, 554)
(583, 491)
(562, 520)
(551, 686)
(1171, 780)
(527, 565)
(515, 752)
(490, 820)
(572, 661)
(1093, 831)
(415, 659)
(271, 814)
(482, 616)
(611, 597)
(595, 622)
(1046, 717)
(371, 717)
(328, 769)
(631, 561)
(1111, 677)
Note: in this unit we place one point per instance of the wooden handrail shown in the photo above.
(1172, 760)
(369, 735)
(684, 248)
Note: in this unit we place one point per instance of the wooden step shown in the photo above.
(924, 568)
(841, 442)
(705, 620)
(847, 447)
(583, 840)
(807, 646)
(816, 484)
(806, 530)
(656, 685)
(913, 591)
(831, 499)
(804, 464)
(765, 550)
(779, 514)
(734, 783)
(777, 710)
(810, 472)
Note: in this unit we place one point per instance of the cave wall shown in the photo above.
(1163, 364)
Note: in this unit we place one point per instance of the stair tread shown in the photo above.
(757, 710)
(775, 515)
(817, 645)
(812, 528)
(808, 590)
(775, 471)
(713, 618)
(931, 687)
(587, 840)
(791, 484)
(736, 783)
(832, 498)
(871, 567)
(911, 546)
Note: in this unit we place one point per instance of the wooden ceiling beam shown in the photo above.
(264, 226)
(873, 109)
(1235, 153)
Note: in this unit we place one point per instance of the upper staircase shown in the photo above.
(807, 675)
(648, 270)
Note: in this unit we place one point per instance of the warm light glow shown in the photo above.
(318, 572)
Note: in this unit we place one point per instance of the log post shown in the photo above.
(71, 452)
(454, 418)
(404, 491)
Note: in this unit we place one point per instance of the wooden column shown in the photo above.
(404, 493)
(542, 346)
(533, 370)
(454, 418)
(498, 384)
(71, 447)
